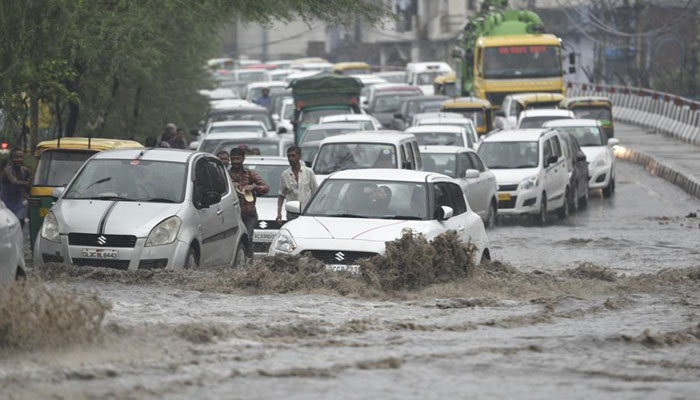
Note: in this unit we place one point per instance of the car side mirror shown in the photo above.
(551, 160)
(471, 174)
(293, 207)
(194, 145)
(444, 213)
(58, 192)
(613, 142)
(580, 156)
(398, 116)
(276, 117)
(281, 129)
(500, 113)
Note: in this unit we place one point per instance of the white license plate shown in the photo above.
(355, 269)
(101, 254)
(264, 236)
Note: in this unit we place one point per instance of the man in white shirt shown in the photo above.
(297, 182)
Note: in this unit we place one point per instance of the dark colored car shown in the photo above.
(577, 165)
(415, 105)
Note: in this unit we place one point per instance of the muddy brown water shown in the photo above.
(604, 305)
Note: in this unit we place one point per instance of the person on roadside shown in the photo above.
(179, 141)
(248, 184)
(15, 183)
(150, 141)
(264, 100)
(297, 182)
(224, 157)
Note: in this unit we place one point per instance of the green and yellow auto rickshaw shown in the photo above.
(57, 162)
(592, 107)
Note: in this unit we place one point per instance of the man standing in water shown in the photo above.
(248, 185)
(297, 182)
(16, 181)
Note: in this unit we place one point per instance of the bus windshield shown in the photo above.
(508, 62)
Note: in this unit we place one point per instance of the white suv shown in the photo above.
(535, 119)
(530, 171)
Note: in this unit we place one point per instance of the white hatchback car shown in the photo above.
(467, 168)
(145, 209)
(354, 213)
(270, 170)
(369, 122)
(530, 169)
(598, 150)
(461, 121)
(442, 135)
(535, 119)
(11, 246)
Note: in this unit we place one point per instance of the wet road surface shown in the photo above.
(555, 325)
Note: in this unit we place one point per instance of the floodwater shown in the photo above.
(604, 305)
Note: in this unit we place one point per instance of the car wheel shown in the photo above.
(192, 261)
(491, 216)
(610, 189)
(541, 217)
(574, 204)
(583, 201)
(241, 259)
(563, 211)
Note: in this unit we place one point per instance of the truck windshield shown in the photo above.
(514, 62)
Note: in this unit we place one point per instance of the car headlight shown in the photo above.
(165, 232)
(529, 182)
(49, 230)
(601, 160)
(284, 242)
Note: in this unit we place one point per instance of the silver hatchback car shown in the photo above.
(146, 209)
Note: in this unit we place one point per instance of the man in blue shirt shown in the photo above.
(264, 100)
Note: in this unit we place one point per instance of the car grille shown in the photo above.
(507, 188)
(158, 263)
(507, 203)
(95, 240)
(50, 258)
(261, 247)
(340, 257)
(269, 224)
(91, 262)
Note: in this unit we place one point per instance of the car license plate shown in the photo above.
(354, 269)
(264, 236)
(503, 196)
(100, 253)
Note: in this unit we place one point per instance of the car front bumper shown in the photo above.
(599, 176)
(519, 201)
(336, 254)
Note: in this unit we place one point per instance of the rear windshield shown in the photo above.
(57, 167)
(537, 122)
(270, 174)
(242, 116)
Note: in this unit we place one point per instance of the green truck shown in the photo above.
(322, 95)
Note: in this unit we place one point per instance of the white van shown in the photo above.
(423, 74)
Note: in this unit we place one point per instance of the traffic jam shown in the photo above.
(331, 160)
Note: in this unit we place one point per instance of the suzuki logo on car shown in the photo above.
(262, 225)
(340, 256)
(101, 240)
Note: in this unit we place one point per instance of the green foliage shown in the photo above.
(125, 68)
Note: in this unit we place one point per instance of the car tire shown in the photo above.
(610, 189)
(563, 211)
(192, 261)
(583, 201)
(541, 216)
(574, 204)
(241, 259)
(491, 216)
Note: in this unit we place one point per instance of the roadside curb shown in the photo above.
(658, 168)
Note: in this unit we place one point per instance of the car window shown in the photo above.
(404, 158)
(460, 206)
(556, 146)
(477, 163)
(449, 195)
(202, 183)
(463, 163)
(547, 152)
(419, 159)
(217, 176)
(410, 156)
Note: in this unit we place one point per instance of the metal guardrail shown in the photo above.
(656, 111)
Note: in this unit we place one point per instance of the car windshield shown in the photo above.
(239, 128)
(430, 106)
(599, 113)
(537, 122)
(440, 138)
(509, 155)
(312, 135)
(251, 147)
(476, 115)
(505, 62)
(440, 163)
(130, 180)
(256, 93)
(251, 76)
(585, 135)
(308, 152)
(270, 174)
(389, 102)
(334, 157)
(309, 117)
(369, 199)
(427, 78)
(243, 116)
(57, 167)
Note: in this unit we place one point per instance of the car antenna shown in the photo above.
(89, 141)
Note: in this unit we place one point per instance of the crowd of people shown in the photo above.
(171, 137)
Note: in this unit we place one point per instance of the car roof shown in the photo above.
(439, 114)
(230, 103)
(572, 122)
(429, 66)
(425, 98)
(516, 135)
(266, 160)
(253, 85)
(444, 149)
(544, 112)
(435, 128)
(156, 154)
(345, 117)
(393, 87)
(369, 78)
(231, 135)
(447, 120)
(237, 123)
(383, 174)
(335, 125)
(373, 137)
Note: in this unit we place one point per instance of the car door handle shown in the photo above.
(219, 212)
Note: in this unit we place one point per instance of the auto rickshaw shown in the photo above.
(351, 68)
(445, 84)
(592, 107)
(57, 162)
(474, 108)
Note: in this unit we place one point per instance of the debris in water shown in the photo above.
(690, 335)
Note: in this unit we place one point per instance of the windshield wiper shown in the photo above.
(156, 200)
(103, 180)
(346, 216)
(525, 166)
(103, 198)
(408, 217)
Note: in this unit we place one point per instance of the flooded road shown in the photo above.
(603, 305)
